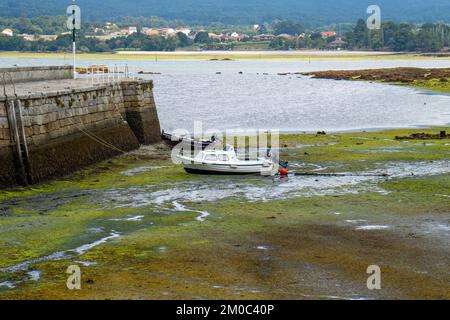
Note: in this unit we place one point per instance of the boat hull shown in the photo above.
(220, 173)
(219, 169)
(185, 142)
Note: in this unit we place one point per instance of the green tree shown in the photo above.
(202, 37)
(288, 27)
(183, 39)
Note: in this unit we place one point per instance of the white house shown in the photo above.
(234, 36)
(132, 30)
(167, 32)
(8, 32)
(184, 30)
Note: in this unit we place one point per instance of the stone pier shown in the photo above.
(63, 125)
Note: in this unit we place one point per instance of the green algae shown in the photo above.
(171, 255)
(439, 85)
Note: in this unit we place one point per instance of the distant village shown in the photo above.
(111, 30)
(279, 35)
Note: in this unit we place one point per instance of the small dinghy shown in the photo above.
(225, 162)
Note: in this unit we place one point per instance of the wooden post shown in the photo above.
(23, 142)
(20, 167)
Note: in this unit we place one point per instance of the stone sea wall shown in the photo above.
(28, 74)
(69, 129)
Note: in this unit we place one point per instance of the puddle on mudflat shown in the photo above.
(422, 168)
(134, 171)
(356, 221)
(162, 249)
(59, 255)
(307, 166)
(84, 248)
(133, 218)
(34, 275)
(96, 230)
(85, 263)
(372, 227)
(251, 189)
(432, 227)
(202, 214)
(388, 150)
(9, 284)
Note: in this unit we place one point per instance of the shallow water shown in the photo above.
(264, 188)
(35, 275)
(59, 255)
(190, 90)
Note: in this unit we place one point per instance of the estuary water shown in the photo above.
(243, 94)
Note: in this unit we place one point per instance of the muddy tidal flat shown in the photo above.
(139, 227)
(437, 79)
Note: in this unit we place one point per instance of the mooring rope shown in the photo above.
(95, 137)
(317, 174)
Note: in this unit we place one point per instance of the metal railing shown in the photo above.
(100, 74)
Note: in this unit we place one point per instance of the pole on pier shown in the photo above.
(74, 51)
(73, 24)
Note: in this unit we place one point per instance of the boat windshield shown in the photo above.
(210, 157)
(223, 157)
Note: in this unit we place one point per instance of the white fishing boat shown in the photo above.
(212, 161)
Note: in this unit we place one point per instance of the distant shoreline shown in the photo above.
(304, 53)
(218, 55)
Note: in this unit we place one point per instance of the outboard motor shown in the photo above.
(284, 164)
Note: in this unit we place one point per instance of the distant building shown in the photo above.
(264, 37)
(338, 43)
(184, 30)
(8, 32)
(284, 36)
(243, 36)
(192, 35)
(28, 37)
(150, 32)
(128, 31)
(99, 30)
(47, 37)
(167, 32)
(328, 34)
(111, 26)
(103, 37)
(214, 36)
(234, 36)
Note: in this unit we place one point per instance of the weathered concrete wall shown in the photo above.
(69, 129)
(27, 74)
(141, 111)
